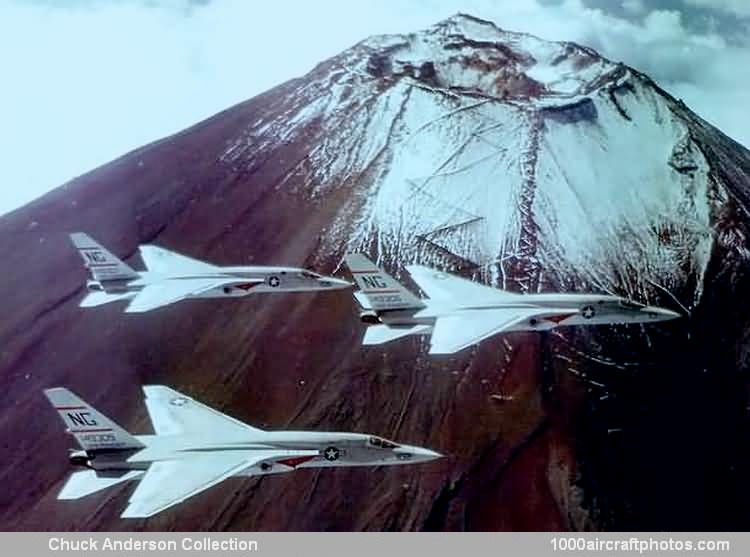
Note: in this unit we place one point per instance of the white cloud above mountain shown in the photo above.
(86, 81)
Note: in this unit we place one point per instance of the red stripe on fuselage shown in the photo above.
(295, 461)
(248, 285)
(91, 430)
(70, 408)
(558, 318)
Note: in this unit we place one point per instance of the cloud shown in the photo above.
(87, 81)
(703, 68)
(734, 7)
(634, 7)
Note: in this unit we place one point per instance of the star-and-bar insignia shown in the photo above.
(331, 453)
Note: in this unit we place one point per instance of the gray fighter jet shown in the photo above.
(459, 313)
(196, 447)
(171, 277)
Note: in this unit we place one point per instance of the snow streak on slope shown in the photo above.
(615, 203)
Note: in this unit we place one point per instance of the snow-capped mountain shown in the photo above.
(523, 163)
(496, 150)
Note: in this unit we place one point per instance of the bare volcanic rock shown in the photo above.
(521, 163)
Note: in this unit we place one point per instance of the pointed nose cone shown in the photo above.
(334, 283)
(660, 314)
(430, 455)
(409, 453)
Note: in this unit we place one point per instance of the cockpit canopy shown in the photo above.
(381, 443)
(629, 304)
(311, 275)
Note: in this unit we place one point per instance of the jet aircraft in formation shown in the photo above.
(459, 313)
(171, 277)
(196, 447)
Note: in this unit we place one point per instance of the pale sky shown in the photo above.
(85, 81)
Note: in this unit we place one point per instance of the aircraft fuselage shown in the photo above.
(559, 310)
(325, 450)
(259, 280)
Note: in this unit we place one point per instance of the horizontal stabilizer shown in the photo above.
(101, 298)
(86, 482)
(380, 334)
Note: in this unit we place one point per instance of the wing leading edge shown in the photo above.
(173, 413)
(167, 483)
(444, 287)
(170, 291)
(453, 333)
(165, 262)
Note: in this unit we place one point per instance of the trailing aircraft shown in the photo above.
(171, 277)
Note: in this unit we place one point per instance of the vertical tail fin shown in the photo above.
(381, 290)
(103, 265)
(92, 430)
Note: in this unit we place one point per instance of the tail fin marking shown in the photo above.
(92, 430)
(380, 289)
(102, 264)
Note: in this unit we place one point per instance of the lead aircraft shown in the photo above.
(458, 313)
(171, 277)
(196, 447)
